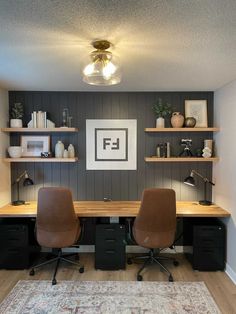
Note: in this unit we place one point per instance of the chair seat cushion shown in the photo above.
(152, 240)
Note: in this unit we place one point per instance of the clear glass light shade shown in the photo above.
(102, 69)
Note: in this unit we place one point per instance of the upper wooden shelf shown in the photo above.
(37, 130)
(39, 159)
(180, 159)
(181, 129)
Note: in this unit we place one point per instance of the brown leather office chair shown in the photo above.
(57, 226)
(155, 226)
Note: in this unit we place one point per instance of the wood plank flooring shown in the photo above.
(221, 287)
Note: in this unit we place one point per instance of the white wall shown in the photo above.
(5, 185)
(224, 172)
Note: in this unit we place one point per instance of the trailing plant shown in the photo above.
(161, 109)
(17, 111)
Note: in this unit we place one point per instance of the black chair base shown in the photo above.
(151, 258)
(56, 259)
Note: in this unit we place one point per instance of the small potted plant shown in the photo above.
(161, 110)
(16, 115)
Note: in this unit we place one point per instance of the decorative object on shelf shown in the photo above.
(59, 149)
(163, 150)
(187, 143)
(71, 151)
(177, 120)
(161, 110)
(65, 116)
(16, 115)
(190, 122)
(33, 146)
(103, 67)
(190, 181)
(198, 110)
(15, 151)
(49, 125)
(46, 155)
(208, 143)
(206, 152)
(27, 181)
(65, 153)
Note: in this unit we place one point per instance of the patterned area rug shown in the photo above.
(108, 297)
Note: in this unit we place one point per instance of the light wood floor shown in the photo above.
(221, 287)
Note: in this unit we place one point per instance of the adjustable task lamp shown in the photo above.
(190, 181)
(27, 181)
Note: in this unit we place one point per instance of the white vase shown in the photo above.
(160, 122)
(71, 151)
(16, 123)
(59, 149)
(65, 153)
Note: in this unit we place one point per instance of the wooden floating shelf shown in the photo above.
(181, 129)
(37, 130)
(180, 159)
(39, 159)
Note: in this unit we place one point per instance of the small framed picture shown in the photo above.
(198, 110)
(33, 146)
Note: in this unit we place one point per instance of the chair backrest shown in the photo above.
(155, 224)
(56, 225)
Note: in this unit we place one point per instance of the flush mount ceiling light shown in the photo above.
(103, 67)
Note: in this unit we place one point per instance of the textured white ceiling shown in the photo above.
(162, 45)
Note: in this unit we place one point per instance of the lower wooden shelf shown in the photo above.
(180, 159)
(39, 159)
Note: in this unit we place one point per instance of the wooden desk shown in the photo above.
(116, 209)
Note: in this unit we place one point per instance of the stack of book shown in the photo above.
(39, 120)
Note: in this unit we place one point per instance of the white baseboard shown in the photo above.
(231, 273)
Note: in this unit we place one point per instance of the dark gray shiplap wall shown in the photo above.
(118, 185)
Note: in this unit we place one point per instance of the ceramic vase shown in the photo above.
(190, 122)
(59, 149)
(160, 122)
(177, 120)
(16, 123)
(71, 151)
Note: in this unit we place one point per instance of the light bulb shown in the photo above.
(108, 70)
(88, 70)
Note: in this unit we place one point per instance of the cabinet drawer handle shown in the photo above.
(109, 229)
(110, 240)
(110, 251)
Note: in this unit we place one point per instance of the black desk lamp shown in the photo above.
(190, 181)
(27, 181)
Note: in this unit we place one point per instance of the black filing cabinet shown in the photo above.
(209, 247)
(110, 246)
(14, 246)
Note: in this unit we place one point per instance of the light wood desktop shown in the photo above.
(116, 209)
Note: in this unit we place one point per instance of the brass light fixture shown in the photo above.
(103, 68)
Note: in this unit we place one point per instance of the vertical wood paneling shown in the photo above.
(123, 185)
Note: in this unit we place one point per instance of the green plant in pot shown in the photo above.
(161, 110)
(16, 115)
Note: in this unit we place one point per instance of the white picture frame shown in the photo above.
(111, 144)
(198, 110)
(34, 145)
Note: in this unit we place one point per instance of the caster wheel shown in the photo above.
(129, 261)
(139, 278)
(176, 263)
(171, 279)
(54, 282)
(81, 270)
(32, 272)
